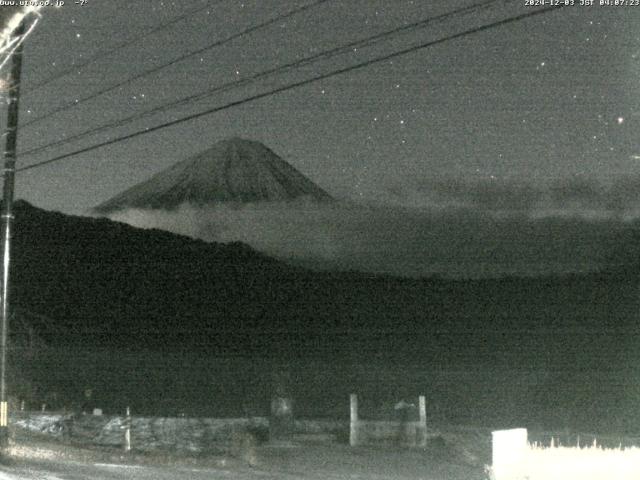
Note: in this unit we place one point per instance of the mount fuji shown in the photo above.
(232, 171)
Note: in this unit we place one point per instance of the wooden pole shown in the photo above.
(353, 430)
(11, 138)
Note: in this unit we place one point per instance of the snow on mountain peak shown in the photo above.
(233, 170)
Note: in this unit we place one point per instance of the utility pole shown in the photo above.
(11, 134)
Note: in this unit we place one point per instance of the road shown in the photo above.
(72, 470)
(303, 461)
(66, 470)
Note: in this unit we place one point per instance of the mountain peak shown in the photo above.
(233, 170)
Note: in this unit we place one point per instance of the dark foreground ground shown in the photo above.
(457, 455)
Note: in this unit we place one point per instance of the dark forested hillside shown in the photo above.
(106, 283)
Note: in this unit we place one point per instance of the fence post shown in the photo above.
(422, 428)
(281, 421)
(353, 430)
(508, 453)
(127, 431)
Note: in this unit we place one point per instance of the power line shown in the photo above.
(293, 85)
(119, 46)
(366, 42)
(176, 60)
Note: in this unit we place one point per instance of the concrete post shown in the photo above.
(127, 431)
(353, 430)
(509, 453)
(422, 427)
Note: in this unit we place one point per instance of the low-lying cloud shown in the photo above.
(577, 196)
(459, 230)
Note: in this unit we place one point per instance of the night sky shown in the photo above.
(545, 99)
